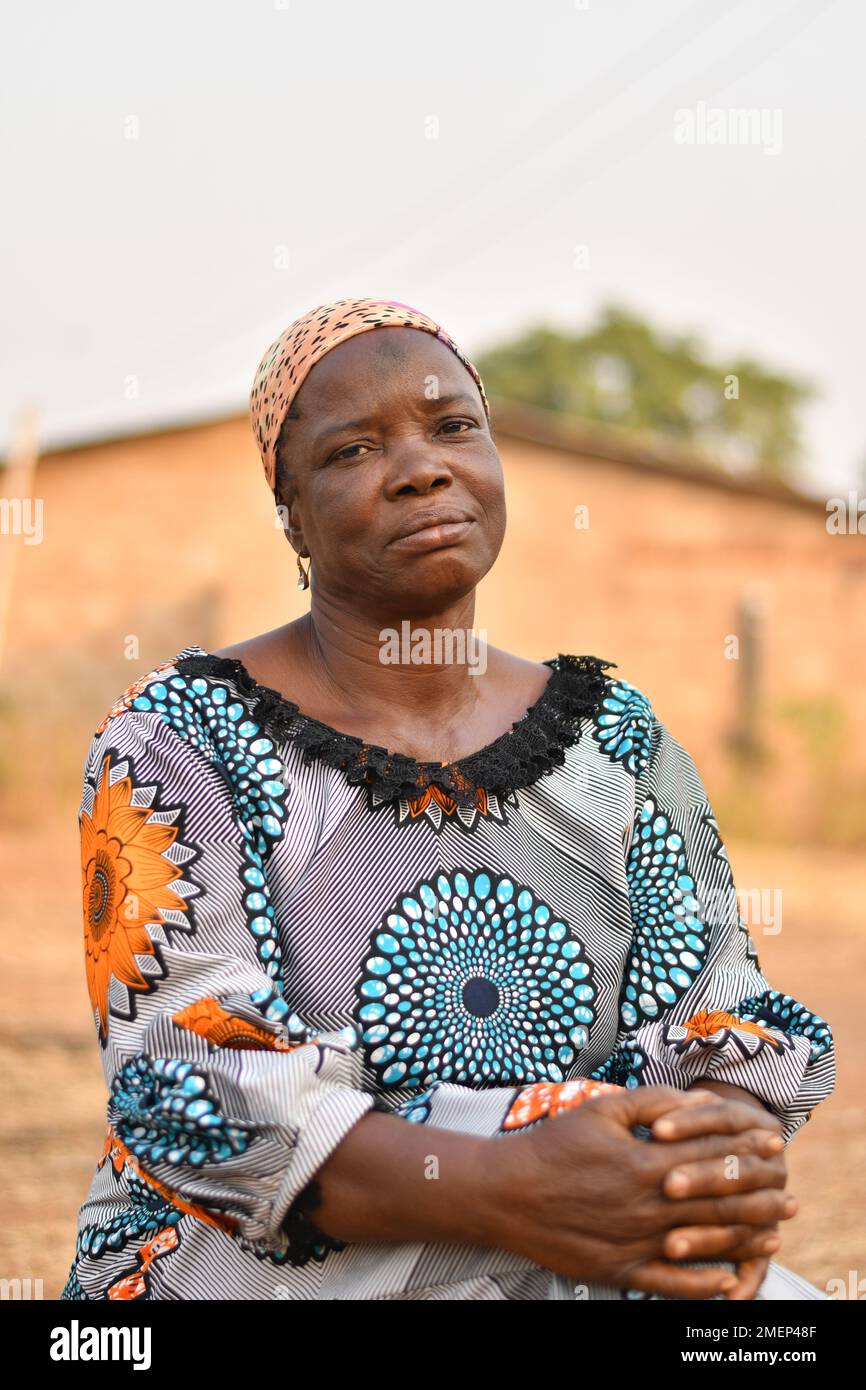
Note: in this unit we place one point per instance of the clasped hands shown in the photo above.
(748, 1244)
(622, 1213)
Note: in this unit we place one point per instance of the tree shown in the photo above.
(625, 372)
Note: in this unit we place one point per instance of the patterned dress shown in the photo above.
(285, 927)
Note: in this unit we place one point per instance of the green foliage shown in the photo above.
(624, 372)
(821, 723)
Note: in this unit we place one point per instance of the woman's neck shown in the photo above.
(419, 669)
(331, 667)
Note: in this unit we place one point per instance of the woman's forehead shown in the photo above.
(380, 366)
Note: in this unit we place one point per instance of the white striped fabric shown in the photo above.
(272, 950)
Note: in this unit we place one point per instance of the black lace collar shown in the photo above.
(533, 746)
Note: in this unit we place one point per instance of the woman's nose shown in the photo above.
(417, 467)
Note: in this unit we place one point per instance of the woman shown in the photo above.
(394, 969)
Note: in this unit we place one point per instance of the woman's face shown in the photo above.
(390, 426)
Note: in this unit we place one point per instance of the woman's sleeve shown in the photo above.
(216, 1088)
(694, 1003)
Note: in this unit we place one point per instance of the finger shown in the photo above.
(750, 1276)
(737, 1243)
(757, 1139)
(643, 1104)
(657, 1161)
(672, 1281)
(718, 1177)
(763, 1208)
(717, 1116)
(674, 1153)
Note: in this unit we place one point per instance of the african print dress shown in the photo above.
(285, 927)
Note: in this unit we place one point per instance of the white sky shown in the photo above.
(303, 124)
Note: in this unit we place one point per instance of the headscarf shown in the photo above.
(288, 361)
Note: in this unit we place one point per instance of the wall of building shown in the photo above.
(155, 542)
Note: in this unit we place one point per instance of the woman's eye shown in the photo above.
(466, 423)
(346, 452)
(350, 452)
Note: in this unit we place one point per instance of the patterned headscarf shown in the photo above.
(287, 362)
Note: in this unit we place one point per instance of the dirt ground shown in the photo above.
(52, 1093)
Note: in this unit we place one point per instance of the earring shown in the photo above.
(304, 574)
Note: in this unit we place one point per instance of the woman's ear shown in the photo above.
(292, 524)
(285, 502)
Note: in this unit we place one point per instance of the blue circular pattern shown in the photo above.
(670, 940)
(139, 1221)
(621, 1067)
(781, 1011)
(219, 724)
(72, 1291)
(473, 979)
(416, 1108)
(623, 724)
(161, 1110)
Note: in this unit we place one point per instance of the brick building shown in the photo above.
(726, 599)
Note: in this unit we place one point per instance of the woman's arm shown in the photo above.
(218, 1093)
(696, 1008)
(695, 1005)
(738, 1093)
(579, 1194)
(393, 1180)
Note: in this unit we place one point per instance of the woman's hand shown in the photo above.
(728, 1109)
(582, 1196)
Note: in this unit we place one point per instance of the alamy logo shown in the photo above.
(77, 1343)
(439, 645)
(22, 516)
(21, 1288)
(718, 125)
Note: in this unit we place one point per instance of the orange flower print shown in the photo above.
(126, 887)
(210, 1020)
(121, 1158)
(551, 1098)
(706, 1022)
(133, 1286)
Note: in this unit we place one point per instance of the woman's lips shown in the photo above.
(433, 537)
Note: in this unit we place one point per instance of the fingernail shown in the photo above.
(664, 1127)
(791, 1204)
(770, 1244)
(680, 1249)
(678, 1182)
(775, 1141)
(728, 1283)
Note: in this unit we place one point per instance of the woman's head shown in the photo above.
(362, 433)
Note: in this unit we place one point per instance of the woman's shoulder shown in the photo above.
(192, 704)
(593, 693)
(625, 721)
(616, 696)
(621, 695)
(205, 698)
(179, 719)
(137, 693)
(632, 732)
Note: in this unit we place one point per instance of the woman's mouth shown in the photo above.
(433, 537)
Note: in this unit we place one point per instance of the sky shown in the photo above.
(183, 180)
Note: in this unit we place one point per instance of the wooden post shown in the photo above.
(749, 625)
